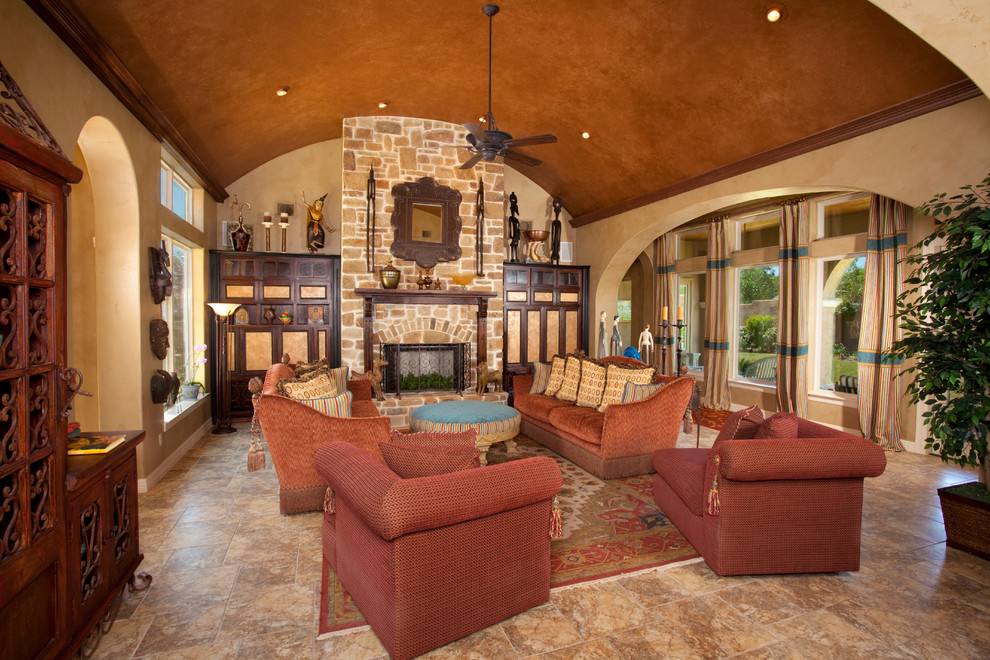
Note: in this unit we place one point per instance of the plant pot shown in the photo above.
(967, 521)
(190, 392)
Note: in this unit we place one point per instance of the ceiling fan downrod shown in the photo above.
(490, 10)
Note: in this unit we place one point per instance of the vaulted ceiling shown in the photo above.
(668, 90)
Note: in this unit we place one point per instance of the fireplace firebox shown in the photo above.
(425, 367)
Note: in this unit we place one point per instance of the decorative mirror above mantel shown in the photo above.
(426, 222)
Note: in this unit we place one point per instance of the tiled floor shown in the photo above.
(234, 579)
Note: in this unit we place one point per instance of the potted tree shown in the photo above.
(945, 317)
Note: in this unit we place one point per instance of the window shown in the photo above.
(692, 243)
(177, 311)
(845, 216)
(691, 298)
(759, 288)
(842, 312)
(176, 194)
(761, 231)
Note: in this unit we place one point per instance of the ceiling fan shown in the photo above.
(488, 142)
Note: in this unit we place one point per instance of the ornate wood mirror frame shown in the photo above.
(414, 221)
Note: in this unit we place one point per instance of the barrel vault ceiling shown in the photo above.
(668, 90)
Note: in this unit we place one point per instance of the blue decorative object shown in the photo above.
(632, 353)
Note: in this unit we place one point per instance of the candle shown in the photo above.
(283, 218)
(268, 218)
(665, 313)
(680, 313)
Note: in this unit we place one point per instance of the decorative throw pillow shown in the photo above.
(541, 378)
(592, 384)
(334, 406)
(315, 385)
(413, 461)
(303, 368)
(339, 376)
(779, 425)
(615, 382)
(436, 438)
(634, 392)
(556, 375)
(741, 425)
(572, 379)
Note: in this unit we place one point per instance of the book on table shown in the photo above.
(93, 443)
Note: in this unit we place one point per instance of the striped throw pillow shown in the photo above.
(636, 392)
(572, 379)
(331, 406)
(541, 378)
(339, 377)
(556, 375)
(616, 379)
(592, 384)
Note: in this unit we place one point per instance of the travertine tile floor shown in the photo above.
(234, 579)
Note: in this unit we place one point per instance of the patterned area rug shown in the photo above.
(610, 527)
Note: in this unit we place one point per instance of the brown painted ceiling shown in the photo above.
(668, 89)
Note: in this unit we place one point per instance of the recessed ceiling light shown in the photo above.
(482, 119)
(586, 135)
(775, 12)
(383, 104)
(282, 91)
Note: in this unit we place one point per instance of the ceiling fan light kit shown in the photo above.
(489, 142)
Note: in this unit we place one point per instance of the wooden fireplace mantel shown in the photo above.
(374, 297)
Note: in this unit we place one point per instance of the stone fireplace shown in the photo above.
(439, 367)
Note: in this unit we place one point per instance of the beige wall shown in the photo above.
(119, 205)
(315, 170)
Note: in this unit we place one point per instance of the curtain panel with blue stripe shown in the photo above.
(792, 309)
(716, 317)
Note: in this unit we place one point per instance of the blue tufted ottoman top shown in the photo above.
(464, 412)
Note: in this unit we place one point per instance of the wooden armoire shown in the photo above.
(34, 178)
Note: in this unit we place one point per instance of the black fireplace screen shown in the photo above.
(425, 367)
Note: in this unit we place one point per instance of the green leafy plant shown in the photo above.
(759, 334)
(945, 315)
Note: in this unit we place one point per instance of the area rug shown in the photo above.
(610, 528)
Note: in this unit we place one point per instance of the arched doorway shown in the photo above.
(104, 256)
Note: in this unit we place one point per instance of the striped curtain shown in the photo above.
(879, 329)
(792, 309)
(716, 317)
(666, 298)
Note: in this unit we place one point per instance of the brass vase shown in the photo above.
(390, 276)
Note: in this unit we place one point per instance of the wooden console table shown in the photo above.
(425, 297)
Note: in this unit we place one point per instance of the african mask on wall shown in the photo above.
(158, 330)
(159, 276)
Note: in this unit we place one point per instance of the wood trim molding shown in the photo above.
(920, 105)
(72, 27)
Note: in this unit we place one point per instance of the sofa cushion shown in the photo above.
(740, 425)
(332, 406)
(541, 378)
(592, 383)
(684, 471)
(556, 374)
(572, 380)
(436, 438)
(538, 406)
(584, 423)
(617, 377)
(363, 407)
(634, 392)
(414, 461)
(779, 425)
(313, 385)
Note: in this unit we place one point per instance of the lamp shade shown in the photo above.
(222, 308)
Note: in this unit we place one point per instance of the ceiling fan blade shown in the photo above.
(521, 158)
(471, 161)
(532, 140)
(477, 131)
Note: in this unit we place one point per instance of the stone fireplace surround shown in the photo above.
(403, 149)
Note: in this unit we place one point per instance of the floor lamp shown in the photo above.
(223, 312)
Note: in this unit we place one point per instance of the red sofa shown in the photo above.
(790, 505)
(619, 442)
(294, 431)
(433, 559)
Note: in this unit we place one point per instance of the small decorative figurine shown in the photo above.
(646, 344)
(269, 315)
(558, 204)
(602, 341)
(315, 235)
(616, 343)
(375, 377)
(514, 232)
(486, 376)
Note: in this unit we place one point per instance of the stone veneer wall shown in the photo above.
(392, 145)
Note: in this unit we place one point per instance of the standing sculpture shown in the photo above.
(514, 232)
(602, 341)
(646, 344)
(558, 204)
(616, 343)
(315, 235)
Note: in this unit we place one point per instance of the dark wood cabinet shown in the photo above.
(303, 286)
(102, 534)
(546, 314)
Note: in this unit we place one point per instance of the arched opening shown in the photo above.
(104, 304)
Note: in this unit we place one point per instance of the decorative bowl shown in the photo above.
(463, 279)
(536, 235)
(390, 276)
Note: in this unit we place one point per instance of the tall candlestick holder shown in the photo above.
(267, 222)
(665, 327)
(284, 224)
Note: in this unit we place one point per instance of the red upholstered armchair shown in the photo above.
(294, 431)
(789, 505)
(433, 559)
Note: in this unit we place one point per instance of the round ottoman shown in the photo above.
(493, 422)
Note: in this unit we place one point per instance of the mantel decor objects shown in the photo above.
(240, 238)
(426, 222)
